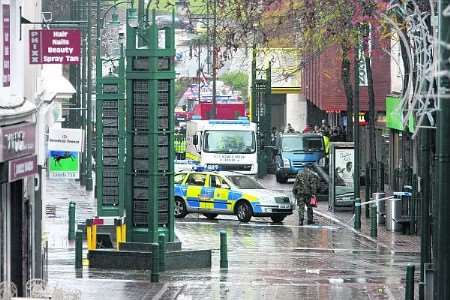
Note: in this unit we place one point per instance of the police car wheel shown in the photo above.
(180, 208)
(244, 212)
(210, 216)
(277, 218)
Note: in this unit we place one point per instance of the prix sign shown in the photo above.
(6, 21)
(52, 46)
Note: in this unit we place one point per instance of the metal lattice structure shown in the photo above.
(261, 114)
(420, 100)
(150, 78)
(110, 148)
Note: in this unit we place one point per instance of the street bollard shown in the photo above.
(162, 252)
(71, 234)
(118, 225)
(409, 289)
(373, 221)
(357, 224)
(155, 262)
(89, 234)
(223, 250)
(79, 249)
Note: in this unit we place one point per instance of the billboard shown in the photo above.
(55, 46)
(341, 185)
(65, 139)
(64, 164)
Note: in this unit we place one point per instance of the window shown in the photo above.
(197, 179)
(178, 179)
(241, 142)
(215, 181)
(244, 182)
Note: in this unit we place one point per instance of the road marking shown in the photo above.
(161, 292)
(259, 225)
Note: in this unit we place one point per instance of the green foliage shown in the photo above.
(237, 80)
(195, 6)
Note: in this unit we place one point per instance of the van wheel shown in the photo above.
(281, 178)
(210, 216)
(180, 208)
(244, 211)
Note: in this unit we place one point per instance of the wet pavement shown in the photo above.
(266, 261)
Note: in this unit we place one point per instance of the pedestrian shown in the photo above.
(290, 129)
(306, 185)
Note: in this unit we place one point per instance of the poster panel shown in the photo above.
(64, 164)
(343, 174)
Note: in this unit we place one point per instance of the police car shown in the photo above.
(227, 193)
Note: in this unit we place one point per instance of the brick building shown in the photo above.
(323, 88)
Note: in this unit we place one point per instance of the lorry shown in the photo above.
(227, 145)
(295, 150)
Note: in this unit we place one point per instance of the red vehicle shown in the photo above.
(224, 111)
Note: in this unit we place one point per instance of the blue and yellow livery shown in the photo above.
(228, 193)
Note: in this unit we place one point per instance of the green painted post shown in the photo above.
(357, 223)
(223, 250)
(409, 289)
(162, 252)
(373, 220)
(122, 133)
(83, 98)
(71, 234)
(79, 249)
(153, 127)
(89, 182)
(367, 189)
(171, 45)
(98, 111)
(155, 262)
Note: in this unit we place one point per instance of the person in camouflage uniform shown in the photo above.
(306, 185)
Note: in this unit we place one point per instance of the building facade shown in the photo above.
(30, 98)
(323, 87)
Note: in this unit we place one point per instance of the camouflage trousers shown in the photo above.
(301, 202)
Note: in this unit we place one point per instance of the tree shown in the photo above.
(237, 80)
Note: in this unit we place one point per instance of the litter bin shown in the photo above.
(393, 213)
(381, 208)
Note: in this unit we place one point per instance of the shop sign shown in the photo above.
(6, 22)
(64, 139)
(22, 167)
(17, 141)
(64, 164)
(394, 115)
(55, 46)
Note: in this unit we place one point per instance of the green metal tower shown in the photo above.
(261, 113)
(150, 75)
(110, 147)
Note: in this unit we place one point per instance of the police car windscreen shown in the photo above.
(245, 182)
(230, 141)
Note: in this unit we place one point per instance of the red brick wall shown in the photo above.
(322, 81)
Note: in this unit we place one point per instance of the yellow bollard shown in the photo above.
(118, 224)
(124, 233)
(94, 237)
(89, 234)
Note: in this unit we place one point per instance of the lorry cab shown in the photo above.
(294, 150)
(227, 145)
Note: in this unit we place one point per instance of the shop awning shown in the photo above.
(55, 85)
